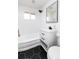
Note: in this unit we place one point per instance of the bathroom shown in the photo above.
(38, 29)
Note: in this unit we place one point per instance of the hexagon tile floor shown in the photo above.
(34, 53)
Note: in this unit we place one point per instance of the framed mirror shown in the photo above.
(52, 13)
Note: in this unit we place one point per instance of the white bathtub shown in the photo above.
(28, 41)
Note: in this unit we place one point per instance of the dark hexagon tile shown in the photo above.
(41, 49)
(43, 55)
(27, 58)
(37, 50)
(21, 56)
(35, 57)
(29, 53)
(34, 53)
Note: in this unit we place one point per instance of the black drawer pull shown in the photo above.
(42, 33)
(42, 38)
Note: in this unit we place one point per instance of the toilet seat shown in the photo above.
(53, 53)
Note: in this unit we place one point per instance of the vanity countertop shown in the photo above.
(47, 30)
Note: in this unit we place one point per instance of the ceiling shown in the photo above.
(38, 3)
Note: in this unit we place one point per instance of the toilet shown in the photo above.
(53, 52)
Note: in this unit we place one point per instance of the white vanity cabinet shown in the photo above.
(47, 38)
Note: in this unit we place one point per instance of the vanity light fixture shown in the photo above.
(40, 11)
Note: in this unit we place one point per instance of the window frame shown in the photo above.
(30, 14)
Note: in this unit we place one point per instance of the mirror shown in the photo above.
(52, 13)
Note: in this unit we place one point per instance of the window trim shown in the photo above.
(30, 15)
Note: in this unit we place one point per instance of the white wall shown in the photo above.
(33, 26)
(44, 24)
(26, 26)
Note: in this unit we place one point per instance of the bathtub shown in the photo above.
(28, 41)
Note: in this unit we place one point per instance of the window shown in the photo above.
(26, 16)
(32, 17)
(29, 16)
